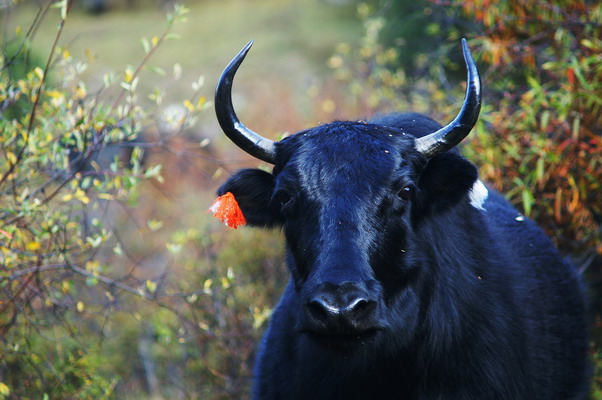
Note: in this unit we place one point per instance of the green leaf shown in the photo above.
(153, 171)
(62, 4)
(156, 70)
(528, 201)
(94, 241)
(151, 286)
(145, 45)
(108, 79)
(173, 248)
(539, 169)
(154, 225)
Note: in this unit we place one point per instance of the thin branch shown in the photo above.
(35, 269)
(147, 56)
(110, 283)
(32, 115)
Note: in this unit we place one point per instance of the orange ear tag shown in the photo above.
(226, 209)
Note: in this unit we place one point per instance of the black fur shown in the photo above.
(456, 302)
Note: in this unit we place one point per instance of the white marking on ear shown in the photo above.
(477, 195)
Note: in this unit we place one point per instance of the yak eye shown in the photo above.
(282, 198)
(406, 192)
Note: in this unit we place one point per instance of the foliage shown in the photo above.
(540, 132)
(547, 119)
(68, 156)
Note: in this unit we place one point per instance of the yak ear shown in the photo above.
(446, 179)
(253, 189)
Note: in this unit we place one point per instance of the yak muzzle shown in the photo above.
(341, 310)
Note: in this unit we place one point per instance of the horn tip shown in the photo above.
(247, 47)
(465, 48)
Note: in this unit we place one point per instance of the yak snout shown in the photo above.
(346, 309)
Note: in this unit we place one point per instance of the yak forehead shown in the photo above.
(347, 160)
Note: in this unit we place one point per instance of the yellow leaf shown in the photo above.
(12, 159)
(188, 105)
(201, 102)
(154, 40)
(93, 267)
(106, 196)
(80, 92)
(4, 389)
(81, 196)
(39, 72)
(55, 94)
(80, 306)
(33, 246)
(129, 75)
(225, 283)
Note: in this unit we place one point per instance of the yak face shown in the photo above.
(351, 198)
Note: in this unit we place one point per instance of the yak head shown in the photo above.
(350, 198)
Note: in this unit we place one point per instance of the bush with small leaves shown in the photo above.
(68, 156)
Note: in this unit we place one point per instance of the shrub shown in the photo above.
(538, 139)
(67, 157)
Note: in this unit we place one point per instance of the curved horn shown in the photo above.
(450, 135)
(249, 141)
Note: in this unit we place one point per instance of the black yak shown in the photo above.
(410, 279)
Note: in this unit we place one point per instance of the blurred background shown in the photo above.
(115, 282)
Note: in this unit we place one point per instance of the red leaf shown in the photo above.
(570, 74)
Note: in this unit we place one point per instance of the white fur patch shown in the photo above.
(477, 195)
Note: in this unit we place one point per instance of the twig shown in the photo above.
(147, 56)
(32, 114)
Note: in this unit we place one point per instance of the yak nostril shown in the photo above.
(360, 308)
(332, 313)
(358, 304)
(320, 308)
